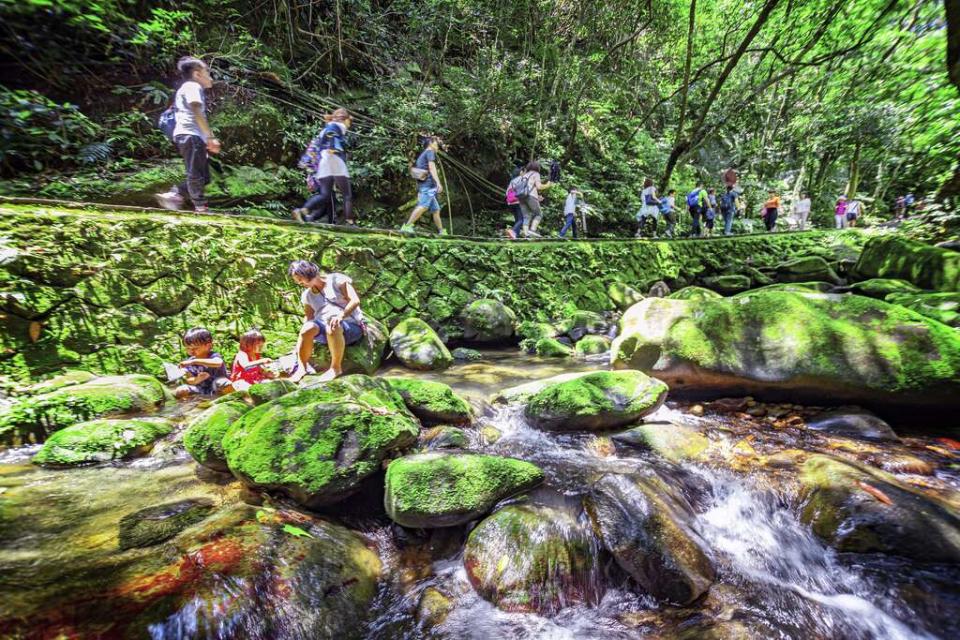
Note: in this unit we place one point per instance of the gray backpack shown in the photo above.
(521, 185)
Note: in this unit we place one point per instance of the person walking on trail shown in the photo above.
(697, 204)
(668, 210)
(801, 211)
(771, 209)
(854, 209)
(710, 215)
(649, 209)
(840, 213)
(513, 203)
(527, 187)
(728, 208)
(329, 150)
(424, 171)
(192, 135)
(574, 200)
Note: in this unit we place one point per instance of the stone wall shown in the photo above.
(112, 291)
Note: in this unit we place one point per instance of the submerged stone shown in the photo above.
(864, 426)
(675, 442)
(418, 346)
(488, 320)
(101, 441)
(447, 489)
(466, 355)
(203, 438)
(154, 525)
(432, 402)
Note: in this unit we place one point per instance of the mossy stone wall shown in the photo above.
(112, 291)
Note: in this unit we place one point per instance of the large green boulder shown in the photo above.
(592, 346)
(552, 348)
(647, 526)
(487, 320)
(418, 346)
(863, 510)
(523, 392)
(318, 444)
(535, 330)
(893, 256)
(536, 559)
(36, 417)
(696, 293)
(432, 402)
(203, 438)
(65, 379)
(153, 525)
(623, 296)
(363, 356)
(806, 269)
(101, 441)
(777, 344)
(880, 288)
(446, 489)
(600, 400)
(732, 283)
(942, 307)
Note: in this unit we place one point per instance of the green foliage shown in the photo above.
(36, 132)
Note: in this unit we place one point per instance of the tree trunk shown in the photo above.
(854, 182)
(953, 40)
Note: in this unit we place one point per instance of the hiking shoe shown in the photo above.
(298, 214)
(202, 209)
(408, 228)
(170, 200)
(442, 232)
(511, 234)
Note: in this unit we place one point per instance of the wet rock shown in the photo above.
(796, 287)
(729, 405)
(942, 307)
(592, 345)
(101, 441)
(533, 330)
(533, 559)
(860, 425)
(447, 489)
(697, 410)
(418, 346)
(675, 442)
(694, 293)
(363, 356)
(581, 323)
(462, 354)
(432, 402)
(203, 438)
(728, 284)
(37, 416)
(523, 392)
(881, 287)
(487, 320)
(659, 289)
(647, 526)
(433, 608)
(490, 434)
(894, 256)
(318, 444)
(806, 269)
(444, 438)
(862, 510)
(552, 348)
(903, 463)
(623, 296)
(153, 525)
(599, 400)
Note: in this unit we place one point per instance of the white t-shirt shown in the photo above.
(802, 205)
(330, 301)
(570, 205)
(189, 93)
(853, 206)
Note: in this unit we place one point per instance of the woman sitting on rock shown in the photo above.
(331, 309)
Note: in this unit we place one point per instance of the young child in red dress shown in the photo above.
(248, 364)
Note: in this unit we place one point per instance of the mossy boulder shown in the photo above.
(647, 525)
(942, 307)
(694, 293)
(592, 346)
(581, 323)
(65, 379)
(418, 346)
(882, 287)
(463, 354)
(444, 437)
(599, 400)
(487, 320)
(780, 345)
(533, 559)
(153, 525)
(863, 510)
(268, 390)
(433, 607)
(523, 392)
(623, 296)
(732, 283)
(203, 438)
(674, 442)
(805, 269)
(535, 330)
(101, 441)
(552, 348)
(795, 287)
(35, 417)
(447, 489)
(318, 444)
(894, 256)
(363, 356)
(432, 402)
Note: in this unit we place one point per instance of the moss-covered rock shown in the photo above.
(599, 400)
(882, 287)
(35, 417)
(862, 510)
(363, 356)
(432, 402)
(795, 287)
(533, 559)
(777, 344)
(418, 346)
(433, 607)
(153, 525)
(806, 269)
(694, 293)
(203, 438)
(728, 284)
(488, 320)
(318, 444)
(675, 442)
(446, 489)
(462, 354)
(592, 345)
(444, 437)
(65, 379)
(535, 330)
(267, 391)
(942, 307)
(648, 527)
(101, 441)
(552, 348)
(581, 323)
(894, 256)
(623, 296)
(523, 392)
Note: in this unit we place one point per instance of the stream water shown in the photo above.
(59, 552)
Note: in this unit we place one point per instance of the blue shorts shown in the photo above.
(428, 198)
(352, 331)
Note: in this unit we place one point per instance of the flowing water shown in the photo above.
(62, 574)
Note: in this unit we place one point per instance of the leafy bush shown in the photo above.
(36, 132)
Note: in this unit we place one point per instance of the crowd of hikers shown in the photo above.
(705, 208)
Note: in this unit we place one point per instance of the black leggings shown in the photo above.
(324, 199)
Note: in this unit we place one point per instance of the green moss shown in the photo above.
(432, 402)
(694, 293)
(488, 320)
(268, 390)
(66, 379)
(552, 348)
(807, 268)
(203, 438)
(100, 441)
(580, 319)
(418, 346)
(623, 296)
(729, 283)
(882, 287)
(441, 489)
(942, 307)
(592, 345)
(535, 330)
(893, 256)
(671, 441)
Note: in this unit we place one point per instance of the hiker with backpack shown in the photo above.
(424, 172)
(728, 208)
(649, 209)
(697, 204)
(668, 210)
(527, 187)
(513, 203)
(185, 123)
(854, 209)
(711, 213)
(330, 162)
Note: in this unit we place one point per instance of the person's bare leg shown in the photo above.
(437, 221)
(304, 350)
(338, 345)
(415, 215)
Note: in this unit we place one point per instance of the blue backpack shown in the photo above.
(693, 198)
(167, 122)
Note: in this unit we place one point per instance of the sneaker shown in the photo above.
(202, 209)
(533, 234)
(298, 214)
(408, 228)
(442, 232)
(170, 200)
